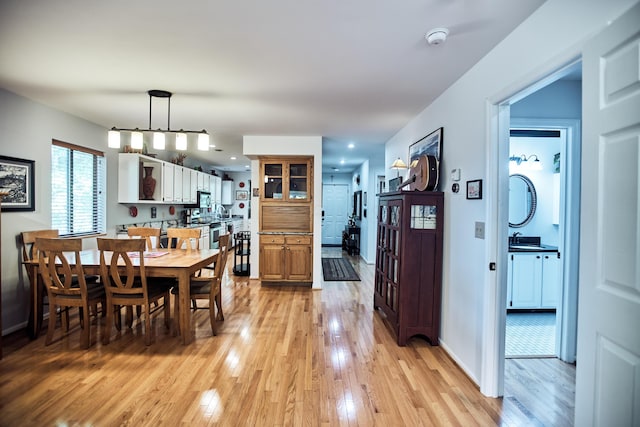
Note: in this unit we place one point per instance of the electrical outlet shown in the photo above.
(479, 230)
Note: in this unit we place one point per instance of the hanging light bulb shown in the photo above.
(203, 141)
(113, 139)
(136, 140)
(181, 141)
(159, 140)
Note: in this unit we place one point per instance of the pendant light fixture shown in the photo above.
(159, 135)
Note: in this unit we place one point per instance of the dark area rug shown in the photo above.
(338, 269)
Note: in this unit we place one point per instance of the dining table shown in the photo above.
(180, 264)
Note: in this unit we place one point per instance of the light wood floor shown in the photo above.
(284, 356)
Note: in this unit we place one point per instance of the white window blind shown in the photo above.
(78, 190)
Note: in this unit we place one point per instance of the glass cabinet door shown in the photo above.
(298, 173)
(273, 180)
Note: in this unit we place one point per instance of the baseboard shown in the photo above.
(459, 362)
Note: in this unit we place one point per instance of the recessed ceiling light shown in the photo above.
(212, 145)
(342, 162)
(233, 157)
(247, 166)
(351, 145)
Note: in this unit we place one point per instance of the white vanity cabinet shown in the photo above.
(533, 281)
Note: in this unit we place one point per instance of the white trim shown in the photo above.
(494, 318)
(465, 368)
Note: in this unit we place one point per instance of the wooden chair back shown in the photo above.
(187, 238)
(59, 276)
(146, 233)
(117, 272)
(221, 261)
(29, 252)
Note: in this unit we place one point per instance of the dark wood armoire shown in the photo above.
(408, 277)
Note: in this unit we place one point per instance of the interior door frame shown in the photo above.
(497, 207)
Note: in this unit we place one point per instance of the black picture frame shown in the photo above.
(474, 189)
(430, 144)
(357, 205)
(17, 180)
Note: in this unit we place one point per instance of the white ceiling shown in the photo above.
(351, 71)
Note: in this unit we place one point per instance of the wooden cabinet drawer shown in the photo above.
(277, 240)
(298, 240)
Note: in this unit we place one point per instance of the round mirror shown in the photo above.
(522, 200)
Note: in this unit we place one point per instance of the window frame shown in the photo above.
(98, 207)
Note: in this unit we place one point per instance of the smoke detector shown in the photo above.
(437, 36)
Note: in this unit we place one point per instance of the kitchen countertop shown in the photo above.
(534, 248)
(275, 233)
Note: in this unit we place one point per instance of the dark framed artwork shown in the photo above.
(474, 189)
(17, 180)
(430, 144)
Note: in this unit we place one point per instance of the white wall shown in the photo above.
(551, 37)
(254, 146)
(26, 131)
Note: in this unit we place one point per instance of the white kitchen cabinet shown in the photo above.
(191, 196)
(200, 186)
(177, 183)
(227, 192)
(168, 169)
(216, 192)
(533, 280)
(131, 171)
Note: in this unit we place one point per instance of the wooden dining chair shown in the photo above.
(127, 285)
(186, 238)
(149, 234)
(66, 285)
(209, 287)
(30, 253)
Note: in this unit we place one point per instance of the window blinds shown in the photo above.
(78, 190)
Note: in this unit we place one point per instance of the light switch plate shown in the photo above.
(455, 174)
(479, 230)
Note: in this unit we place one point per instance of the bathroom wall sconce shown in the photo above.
(531, 162)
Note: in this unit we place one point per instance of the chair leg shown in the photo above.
(212, 317)
(218, 300)
(167, 309)
(176, 316)
(129, 316)
(85, 338)
(147, 324)
(52, 323)
(64, 318)
(106, 333)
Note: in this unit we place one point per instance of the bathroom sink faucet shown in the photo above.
(516, 234)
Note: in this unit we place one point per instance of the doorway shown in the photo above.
(335, 213)
(550, 115)
(538, 102)
(534, 276)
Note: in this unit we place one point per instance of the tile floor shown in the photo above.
(530, 335)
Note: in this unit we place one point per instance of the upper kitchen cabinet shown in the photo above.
(140, 178)
(286, 179)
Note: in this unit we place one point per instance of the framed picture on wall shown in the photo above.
(430, 144)
(242, 195)
(474, 189)
(17, 182)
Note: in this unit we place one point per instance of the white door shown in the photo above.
(608, 366)
(335, 205)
